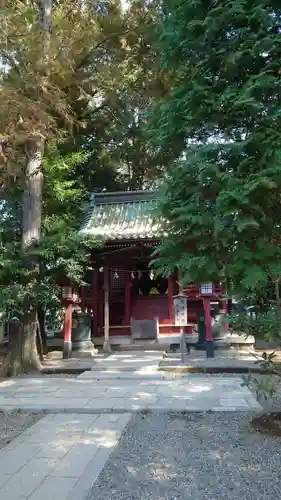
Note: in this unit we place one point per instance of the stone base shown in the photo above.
(239, 338)
(67, 350)
(219, 343)
(84, 354)
(106, 347)
(83, 349)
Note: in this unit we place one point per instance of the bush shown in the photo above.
(261, 324)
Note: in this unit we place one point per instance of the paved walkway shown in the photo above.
(92, 393)
(62, 454)
(225, 359)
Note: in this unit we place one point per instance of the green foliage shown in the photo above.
(60, 253)
(87, 97)
(113, 129)
(264, 387)
(261, 324)
(220, 205)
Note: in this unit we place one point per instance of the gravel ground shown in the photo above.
(13, 424)
(201, 456)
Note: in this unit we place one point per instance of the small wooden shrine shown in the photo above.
(126, 298)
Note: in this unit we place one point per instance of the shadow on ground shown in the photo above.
(203, 456)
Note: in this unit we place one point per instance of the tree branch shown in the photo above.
(102, 42)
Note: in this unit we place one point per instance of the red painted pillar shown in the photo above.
(127, 310)
(170, 297)
(67, 331)
(208, 324)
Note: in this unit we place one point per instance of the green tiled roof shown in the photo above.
(122, 216)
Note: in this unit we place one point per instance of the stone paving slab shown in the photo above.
(60, 457)
(225, 359)
(196, 393)
(140, 361)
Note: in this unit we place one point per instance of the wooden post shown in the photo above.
(67, 331)
(224, 309)
(83, 299)
(106, 343)
(208, 324)
(95, 292)
(127, 311)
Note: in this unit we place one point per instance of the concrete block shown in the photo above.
(123, 421)
(24, 482)
(4, 478)
(89, 477)
(56, 448)
(75, 422)
(104, 423)
(13, 460)
(54, 487)
(76, 460)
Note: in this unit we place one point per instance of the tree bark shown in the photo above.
(277, 296)
(22, 356)
(31, 230)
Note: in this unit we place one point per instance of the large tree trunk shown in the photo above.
(22, 354)
(277, 297)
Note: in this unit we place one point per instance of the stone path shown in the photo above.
(225, 359)
(93, 393)
(62, 454)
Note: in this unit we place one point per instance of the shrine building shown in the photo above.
(127, 300)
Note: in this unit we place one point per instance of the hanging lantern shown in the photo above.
(115, 275)
(132, 275)
(75, 295)
(206, 289)
(67, 292)
(70, 294)
(101, 269)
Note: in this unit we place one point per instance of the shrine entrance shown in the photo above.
(127, 299)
